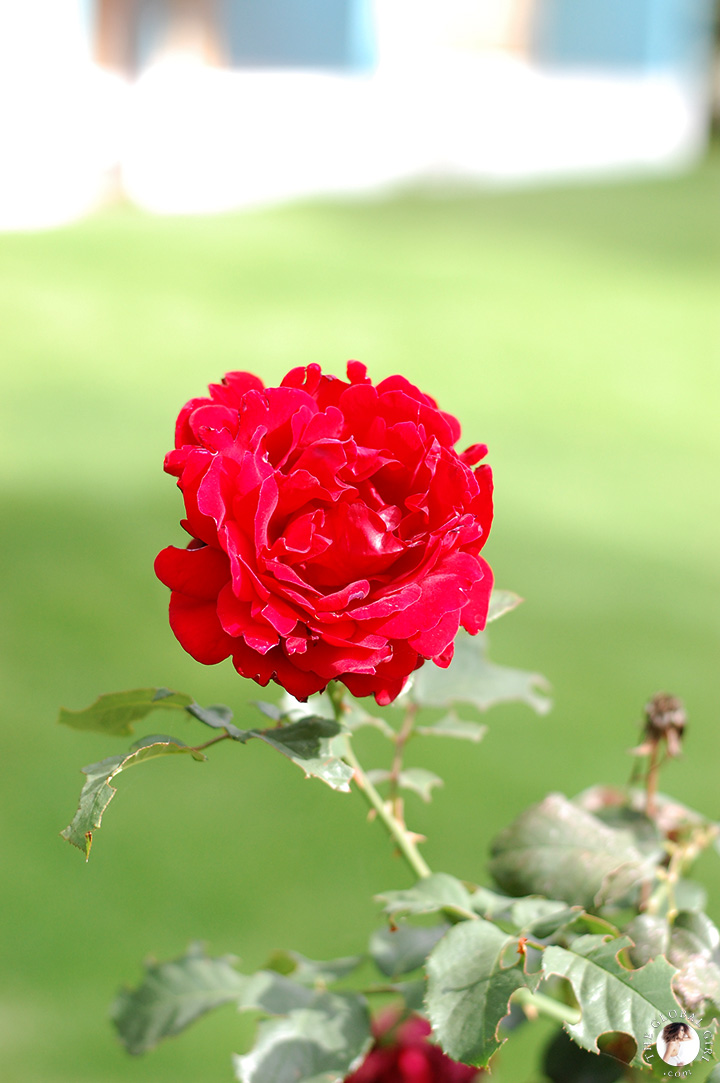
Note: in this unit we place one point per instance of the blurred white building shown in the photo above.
(196, 106)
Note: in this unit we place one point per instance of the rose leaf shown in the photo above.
(612, 997)
(404, 949)
(309, 744)
(472, 678)
(97, 793)
(502, 602)
(559, 850)
(452, 726)
(172, 995)
(469, 988)
(320, 1043)
(430, 895)
(116, 712)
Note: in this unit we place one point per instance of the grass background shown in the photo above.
(576, 331)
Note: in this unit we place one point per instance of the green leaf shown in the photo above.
(308, 971)
(452, 726)
(469, 989)
(694, 942)
(612, 998)
(171, 996)
(650, 936)
(501, 602)
(116, 712)
(538, 917)
(416, 779)
(402, 950)
(413, 993)
(218, 717)
(354, 717)
(308, 743)
(472, 678)
(430, 895)
(490, 904)
(321, 1043)
(97, 793)
(557, 849)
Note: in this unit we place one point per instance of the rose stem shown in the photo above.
(547, 1006)
(651, 780)
(395, 828)
(212, 741)
(400, 742)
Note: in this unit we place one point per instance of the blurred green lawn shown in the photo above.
(576, 331)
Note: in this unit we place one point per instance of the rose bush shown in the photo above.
(335, 531)
(403, 1054)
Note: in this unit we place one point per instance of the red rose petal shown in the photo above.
(337, 531)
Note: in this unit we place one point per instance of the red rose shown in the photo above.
(336, 531)
(404, 1055)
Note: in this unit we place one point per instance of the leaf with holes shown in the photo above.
(612, 997)
(469, 988)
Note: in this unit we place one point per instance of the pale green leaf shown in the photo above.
(416, 779)
(452, 726)
(419, 781)
(650, 936)
(472, 678)
(171, 996)
(116, 712)
(612, 998)
(490, 904)
(693, 949)
(402, 950)
(321, 1043)
(430, 895)
(501, 602)
(469, 988)
(557, 849)
(97, 793)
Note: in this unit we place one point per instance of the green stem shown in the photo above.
(546, 1006)
(395, 828)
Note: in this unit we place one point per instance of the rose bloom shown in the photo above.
(335, 531)
(404, 1055)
